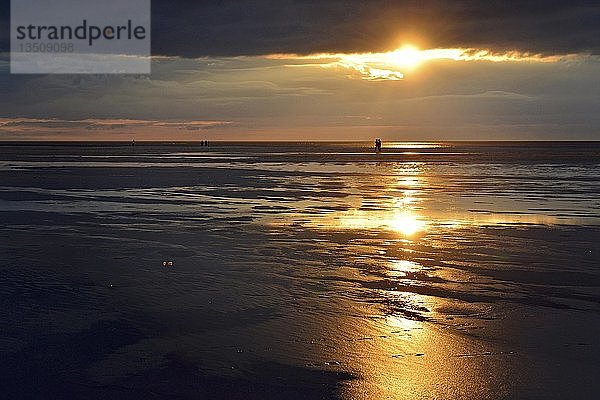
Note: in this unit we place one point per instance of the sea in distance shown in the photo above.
(272, 270)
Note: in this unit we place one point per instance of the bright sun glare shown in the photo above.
(407, 57)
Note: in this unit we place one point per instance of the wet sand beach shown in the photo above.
(459, 270)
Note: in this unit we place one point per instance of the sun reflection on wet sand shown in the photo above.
(396, 213)
(406, 223)
(408, 359)
(404, 267)
(405, 348)
(414, 246)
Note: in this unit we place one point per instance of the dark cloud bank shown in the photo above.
(225, 28)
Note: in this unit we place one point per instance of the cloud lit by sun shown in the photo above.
(393, 65)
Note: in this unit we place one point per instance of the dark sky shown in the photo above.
(225, 28)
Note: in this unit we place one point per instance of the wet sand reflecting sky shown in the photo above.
(431, 271)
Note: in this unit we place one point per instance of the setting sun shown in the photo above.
(407, 57)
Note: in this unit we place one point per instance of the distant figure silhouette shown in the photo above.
(378, 145)
(133, 142)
